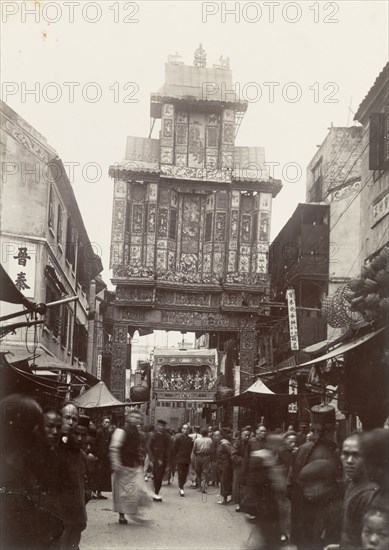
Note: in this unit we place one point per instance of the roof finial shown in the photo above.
(200, 57)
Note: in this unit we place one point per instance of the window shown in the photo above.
(65, 325)
(379, 140)
(212, 136)
(52, 317)
(51, 208)
(70, 245)
(80, 343)
(59, 225)
(208, 226)
(316, 191)
(173, 224)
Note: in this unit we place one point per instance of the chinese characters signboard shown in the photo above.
(21, 267)
(294, 339)
(292, 407)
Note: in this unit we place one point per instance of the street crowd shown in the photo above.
(297, 488)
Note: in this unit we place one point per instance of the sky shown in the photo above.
(92, 66)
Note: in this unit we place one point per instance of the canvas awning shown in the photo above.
(342, 348)
(99, 397)
(258, 394)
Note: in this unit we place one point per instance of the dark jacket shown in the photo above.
(158, 444)
(183, 445)
(223, 455)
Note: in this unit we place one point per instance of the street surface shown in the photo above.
(195, 522)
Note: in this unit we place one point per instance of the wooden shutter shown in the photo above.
(376, 141)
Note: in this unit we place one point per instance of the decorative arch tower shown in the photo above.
(191, 220)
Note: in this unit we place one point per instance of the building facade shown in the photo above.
(373, 114)
(45, 247)
(334, 178)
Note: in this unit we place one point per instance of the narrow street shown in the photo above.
(192, 522)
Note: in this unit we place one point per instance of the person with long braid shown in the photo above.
(314, 485)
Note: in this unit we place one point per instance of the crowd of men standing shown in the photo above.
(297, 489)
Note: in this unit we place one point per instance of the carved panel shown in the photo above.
(220, 226)
(171, 259)
(161, 260)
(151, 218)
(163, 222)
(129, 314)
(234, 223)
(248, 340)
(235, 199)
(264, 226)
(133, 294)
(265, 201)
(207, 320)
(136, 255)
(207, 263)
(190, 224)
(246, 228)
(196, 149)
(167, 155)
(164, 297)
(182, 134)
(137, 219)
(201, 174)
(192, 299)
(188, 263)
(231, 261)
(150, 256)
(244, 264)
(218, 264)
(118, 370)
(120, 189)
(181, 159)
(152, 191)
(232, 299)
(120, 334)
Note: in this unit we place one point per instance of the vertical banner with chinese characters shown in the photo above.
(21, 267)
(292, 407)
(294, 339)
(99, 364)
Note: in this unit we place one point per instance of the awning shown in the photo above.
(260, 395)
(40, 359)
(51, 273)
(99, 397)
(342, 348)
(338, 350)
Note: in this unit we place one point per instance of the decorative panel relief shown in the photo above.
(196, 149)
(167, 134)
(181, 143)
(228, 139)
(118, 223)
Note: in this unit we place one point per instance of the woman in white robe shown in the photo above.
(126, 454)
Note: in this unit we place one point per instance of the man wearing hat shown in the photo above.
(73, 496)
(304, 533)
(158, 449)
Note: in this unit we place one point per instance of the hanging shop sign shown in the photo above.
(294, 339)
(292, 407)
